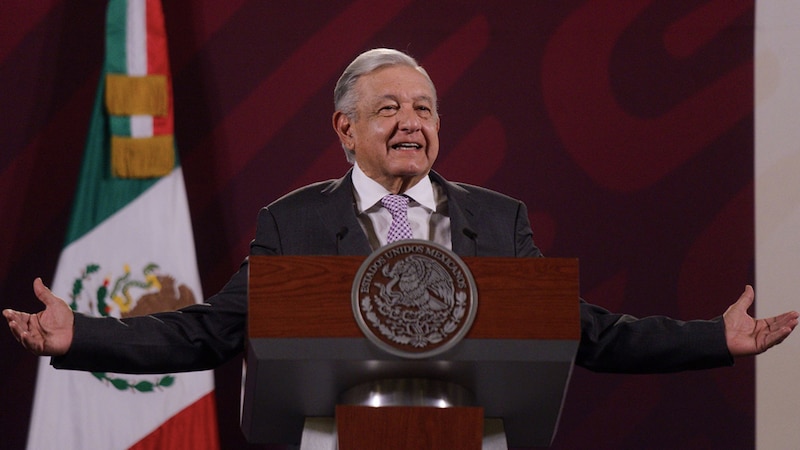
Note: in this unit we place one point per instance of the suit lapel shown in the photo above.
(339, 213)
(460, 210)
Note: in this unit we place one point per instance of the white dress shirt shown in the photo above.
(427, 210)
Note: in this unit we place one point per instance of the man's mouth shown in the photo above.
(406, 146)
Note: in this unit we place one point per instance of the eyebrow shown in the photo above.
(418, 98)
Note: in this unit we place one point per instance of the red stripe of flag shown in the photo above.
(187, 430)
(158, 61)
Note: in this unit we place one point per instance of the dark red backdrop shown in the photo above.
(626, 126)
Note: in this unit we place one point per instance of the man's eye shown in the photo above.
(387, 110)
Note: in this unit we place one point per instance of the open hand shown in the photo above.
(748, 336)
(48, 332)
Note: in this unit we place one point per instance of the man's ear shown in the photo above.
(343, 127)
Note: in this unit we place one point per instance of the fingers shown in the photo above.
(777, 329)
(10, 314)
(776, 337)
(26, 330)
(16, 320)
(786, 320)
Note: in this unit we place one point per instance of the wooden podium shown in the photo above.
(306, 351)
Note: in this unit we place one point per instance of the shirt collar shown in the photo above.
(368, 192)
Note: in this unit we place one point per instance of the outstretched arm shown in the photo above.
(748, 336)
(48, 332)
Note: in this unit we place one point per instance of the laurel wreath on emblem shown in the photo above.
(425, 308)
(140, 386)
(119, 294)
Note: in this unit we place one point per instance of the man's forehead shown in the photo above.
(395, 75)
(396, 83)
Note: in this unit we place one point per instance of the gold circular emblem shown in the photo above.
(414, 298)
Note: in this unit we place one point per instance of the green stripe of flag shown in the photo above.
(116, 36)
(116, 57)
(99, 195)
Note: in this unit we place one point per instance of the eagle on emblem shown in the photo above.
(422, 283)
(168, 298)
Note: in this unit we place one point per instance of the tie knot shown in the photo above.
(395, 203)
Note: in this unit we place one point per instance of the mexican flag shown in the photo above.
(129, 251)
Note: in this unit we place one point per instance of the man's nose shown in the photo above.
(408, 120)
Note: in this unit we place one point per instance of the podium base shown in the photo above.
(319, 433)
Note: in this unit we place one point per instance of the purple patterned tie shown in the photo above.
(400, 227)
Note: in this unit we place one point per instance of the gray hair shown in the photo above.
(344, 94)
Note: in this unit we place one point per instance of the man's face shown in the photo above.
(395, 135)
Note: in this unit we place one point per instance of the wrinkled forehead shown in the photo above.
(398, 81)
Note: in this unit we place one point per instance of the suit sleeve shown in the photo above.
(657, 344)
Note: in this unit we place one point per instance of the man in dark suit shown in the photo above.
(387, 121)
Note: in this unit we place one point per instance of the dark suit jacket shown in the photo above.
(320, 219)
